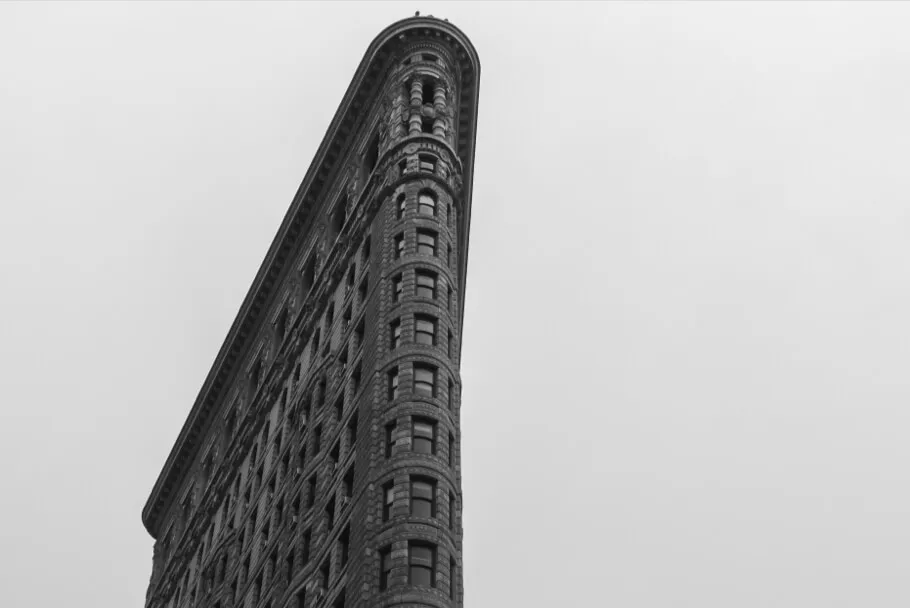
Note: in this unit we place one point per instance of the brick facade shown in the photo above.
(319, 465)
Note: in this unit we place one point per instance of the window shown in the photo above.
(309, 274)
(330, 513)
(339, 407)
(426, 284)
(356, 377)
(385, 567)
(311, 492)
(426, 242)
(450, 344)
(426, 125)
(340, 600)
(421, 564)
(300, 598)
(330, 316)
(324, 573)
(451, 394)
(352, 432)
(358, 334)
(315, 342)
(452, 580)
(281, 324)
(424, 380)
(427, 92)
(347, 484)
(364, 289)
(423, 497)
(388, 499)
(424, 438)
(255, 376)
(305, 547)
(389, 438)
(451, 511)
(339, 216)
(451, 449)
(317, 439)
(371, 155)
(449, 299)
(427, 163)
(397, 285)
(425, 330)
(346, 318)
(334, 455)
(395, 334)
(367, 249)
(449, 255)
(400, 206)
(429, 57)
(393, 383)
(399, 245)
(426, 204)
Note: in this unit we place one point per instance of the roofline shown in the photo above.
(297, 221)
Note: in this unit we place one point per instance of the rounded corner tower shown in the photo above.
(320, 463)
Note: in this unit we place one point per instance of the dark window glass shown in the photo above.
(426, 242)
(423, 501)
(395, 331)
(426, 284)
(397, 286)
(389, 438)
(400, 206)
(393, 383)
(388, 498)
(399, 245)
(424, 438)
(425, 330)
(385, 567)
(425, 380)
(421, 565)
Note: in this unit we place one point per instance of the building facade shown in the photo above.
(320, 463)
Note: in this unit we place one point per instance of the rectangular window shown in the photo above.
(451, 395)
(426, 204)
(427, 162)
(300, 598)
(426, 284)
(317, 440)
(450, 343)
(423, 497)
(305, 547)
(421, 564)
(451, 511)
(343, 544)
(426, 242)
(393, 383)
(397, 286)
(330, 513)
(385, 567)
(425, 330)
(423, 440)
(451, 449)
(388, 499)
(364, 289)
(389, 438)
(311, 492)
(424, 380)
(399, 245)
(395, 334)
(400, 206)
(449, 300)
(453, 582)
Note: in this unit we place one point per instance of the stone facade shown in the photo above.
(319, 465)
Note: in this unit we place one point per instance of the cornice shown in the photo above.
(368, 79)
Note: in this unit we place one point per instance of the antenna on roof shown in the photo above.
(417, 13)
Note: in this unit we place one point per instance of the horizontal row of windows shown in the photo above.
(421, 499)
(421, 564)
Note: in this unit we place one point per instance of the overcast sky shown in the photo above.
(686, 340)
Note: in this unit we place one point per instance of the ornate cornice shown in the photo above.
(367, 82)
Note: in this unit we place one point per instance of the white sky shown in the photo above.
(686, 337)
